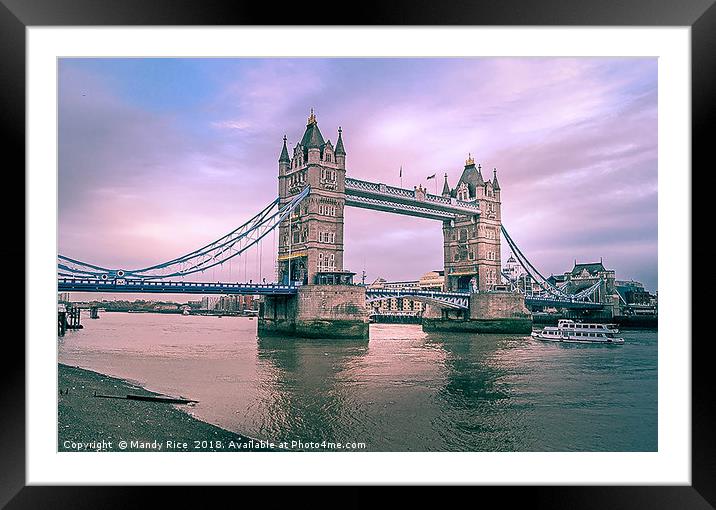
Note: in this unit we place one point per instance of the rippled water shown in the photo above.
(402, 390)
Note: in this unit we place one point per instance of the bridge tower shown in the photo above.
(310, 247)
(472, 243)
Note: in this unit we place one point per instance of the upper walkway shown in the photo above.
(381, 197)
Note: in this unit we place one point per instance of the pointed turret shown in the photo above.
(480, 180)
(471, 176)
(284, 153)
(495, 184)
(446, 187)
(312, 138)
(340, 150)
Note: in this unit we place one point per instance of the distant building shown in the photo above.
(585, 275)
(432, 280)
(557, 279)
(382, 283)
(512, 269)
(166, 306)
(395, 304)
(517, 278)
(231, 303)
(209, 302)
(635, 299)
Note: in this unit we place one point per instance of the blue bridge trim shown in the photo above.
(168, 287)
(557, 303)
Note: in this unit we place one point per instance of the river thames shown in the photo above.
(401, 390)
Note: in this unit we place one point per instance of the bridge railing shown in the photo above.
(440, 200)
(366, 185)
(390, 190)
(453, 201)
(157, 284)
(417, 292)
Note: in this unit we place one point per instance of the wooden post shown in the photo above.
(61, 323)
(73, 315)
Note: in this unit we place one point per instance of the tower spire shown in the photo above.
(340, 150)
(284, 153)
(311, 118)
(495, 184)
(446, 187)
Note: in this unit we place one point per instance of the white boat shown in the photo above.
(569, 331)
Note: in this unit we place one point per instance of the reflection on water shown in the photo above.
(402, 390)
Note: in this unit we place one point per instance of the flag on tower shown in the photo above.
(431, 176)
(401, 170)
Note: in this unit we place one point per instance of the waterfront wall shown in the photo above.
(317, 311)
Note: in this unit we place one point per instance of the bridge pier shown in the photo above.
(489, 312)
(316, 311)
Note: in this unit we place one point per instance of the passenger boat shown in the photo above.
(579, 332)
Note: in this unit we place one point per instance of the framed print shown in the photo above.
(382, 252)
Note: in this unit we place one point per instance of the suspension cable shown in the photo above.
(207, 257)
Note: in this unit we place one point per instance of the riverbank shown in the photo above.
(89, 423)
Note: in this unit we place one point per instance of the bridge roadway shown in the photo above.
(451, 299)
(169, 287)
(166, 287)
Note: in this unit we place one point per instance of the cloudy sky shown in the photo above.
(157, 157)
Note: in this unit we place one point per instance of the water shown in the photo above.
(403, 390)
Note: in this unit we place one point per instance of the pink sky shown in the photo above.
(160, 156)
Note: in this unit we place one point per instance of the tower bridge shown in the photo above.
(314, 295)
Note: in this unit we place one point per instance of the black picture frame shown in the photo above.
(17, 15)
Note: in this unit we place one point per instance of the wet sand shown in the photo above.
(89, 423)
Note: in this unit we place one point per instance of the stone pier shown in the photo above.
(490, 312)
(317, 311)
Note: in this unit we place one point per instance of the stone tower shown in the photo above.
(472, 243)
(311, 242)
